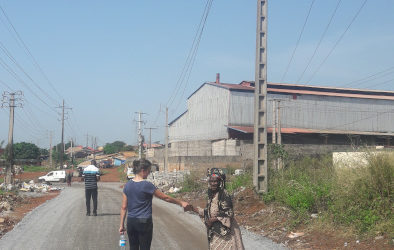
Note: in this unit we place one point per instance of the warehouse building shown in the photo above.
(222, 115)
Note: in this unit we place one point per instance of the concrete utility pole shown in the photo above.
(72, 151)
(260, 167)
(150, 136)
(94, 148)
(61, 151)
(50, 149)
(10, 100)
(279, 125)
(166, 143)
(140, 134)
(87, 140)
(273, 122)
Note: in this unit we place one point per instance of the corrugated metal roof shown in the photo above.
(285, 88)
(250, 129)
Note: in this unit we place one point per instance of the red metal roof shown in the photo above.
(232, 86)
(316, 90)
(250, 129)
(320, 93)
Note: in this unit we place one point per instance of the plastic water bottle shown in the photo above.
(122, 242)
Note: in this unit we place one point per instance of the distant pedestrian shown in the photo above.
(137, 202)
(222, 228)
(91, 175)
(69, 178)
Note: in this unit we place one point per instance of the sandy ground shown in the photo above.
(61, 224)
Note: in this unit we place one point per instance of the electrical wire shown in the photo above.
(28, 52)
(320, 41)
(187, 67)
(337, 42)
(367, 78)
(9, 55)
(298, 41)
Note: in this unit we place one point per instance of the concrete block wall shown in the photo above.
(191, 148)
(225, 148)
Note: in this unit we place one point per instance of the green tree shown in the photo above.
(25, 150)
(115, 147)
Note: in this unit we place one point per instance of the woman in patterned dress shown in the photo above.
(222, 228)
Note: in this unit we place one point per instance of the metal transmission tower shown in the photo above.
(11, 100)
(61, 151)
(260, 168)
(140, 140)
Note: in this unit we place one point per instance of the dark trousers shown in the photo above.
(91, 193)
(140, 233)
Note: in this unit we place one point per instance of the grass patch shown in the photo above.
(192, 183)
(364, 196)
(359, 198)
(122, 174)
(235, 182)
(304, 186)
(35, 169)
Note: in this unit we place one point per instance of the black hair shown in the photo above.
(93, 162)
(141, 164)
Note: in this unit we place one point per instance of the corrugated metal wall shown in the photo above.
(206, 117)
(336, 113)
(210, 109)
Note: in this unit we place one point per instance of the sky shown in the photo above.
(110, 59)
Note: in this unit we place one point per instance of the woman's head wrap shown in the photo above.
(218, 173)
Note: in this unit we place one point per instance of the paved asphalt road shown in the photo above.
(61, 223)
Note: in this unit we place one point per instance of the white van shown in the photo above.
(130, 173)
(54, 176)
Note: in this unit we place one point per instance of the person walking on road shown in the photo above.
(69, 177)
(222, 228)
(137, 202)
(91, 175)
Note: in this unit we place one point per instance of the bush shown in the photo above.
(235, 182)
(304, 186)
(35, 169)
(192, 183)
(358, 198)
(364, 195)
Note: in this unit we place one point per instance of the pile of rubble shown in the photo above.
(39, 187)
(29, 187)
(8, 201)
(168, 181)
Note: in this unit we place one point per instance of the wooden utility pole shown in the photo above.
(166, 143)
(260, 167)
(10, 100)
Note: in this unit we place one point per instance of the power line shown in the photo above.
(338, 41)
(187, 67)
(15, 75)
(28, 52)
(371, 77)
(8, 54)
(320, 41)
(298, 41)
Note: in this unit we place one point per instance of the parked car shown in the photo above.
(54, 176)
